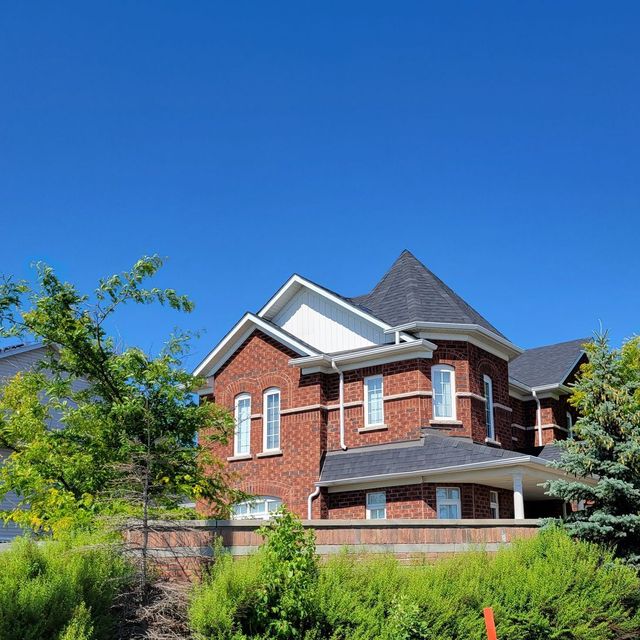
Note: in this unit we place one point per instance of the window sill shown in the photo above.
(269, 454)
(446, 423)
(243, 456)
(492, 443)
(373, 427)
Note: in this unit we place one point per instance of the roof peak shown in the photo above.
(409, 291)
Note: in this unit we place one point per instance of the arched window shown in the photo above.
(242, 435)
(260, 507)
(444, 390)
(271, 420)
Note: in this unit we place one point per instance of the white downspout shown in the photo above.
(341, 400)
(538, 417)
(314, 494)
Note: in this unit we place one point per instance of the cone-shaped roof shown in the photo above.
(409, 292)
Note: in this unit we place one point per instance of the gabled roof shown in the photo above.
(433, 452)
(548, 365)
(409, 292)
(240, 332)
(16, 349)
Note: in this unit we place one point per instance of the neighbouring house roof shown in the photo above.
(432, 452)
(547, 365)
(409, 292)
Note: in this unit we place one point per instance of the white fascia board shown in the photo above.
(296, 281)
(240, 332)
(521, 462)
(488, 340)
(367, 357)
(475, 466)
(521, 391)
(25, 348)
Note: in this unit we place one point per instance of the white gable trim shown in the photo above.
(7, 352)
(240, 332)
(295, 282)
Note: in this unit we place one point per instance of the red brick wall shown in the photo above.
(259, 363)
(310, 415)
(419, 501)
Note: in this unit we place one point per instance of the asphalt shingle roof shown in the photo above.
(409, 292)
(547, 365)
(433, 451)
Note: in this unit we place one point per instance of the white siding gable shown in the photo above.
(325, 325)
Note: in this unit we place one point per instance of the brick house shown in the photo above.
(400, 403)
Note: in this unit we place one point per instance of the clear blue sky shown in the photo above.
(500, 142)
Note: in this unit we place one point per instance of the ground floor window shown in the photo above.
(376, 505)
(494, 504)
(448, 503)
(261, 507)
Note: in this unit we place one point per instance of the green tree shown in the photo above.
(606, 445)
(128, 446)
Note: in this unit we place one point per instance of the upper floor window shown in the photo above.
(242, 435)
(376, 505)
(570, 424)
(373, 403)
(494, 504)
(443, 382)
(271, 420)
(488, 395)
(448, 503)
(260, 507)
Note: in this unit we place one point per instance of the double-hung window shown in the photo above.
(271, 420)
(443, 382)
(488, 396)
(570, 425)
(373, 402)
(448, 503)
(242, 435)
(494, 504)
(376, 505)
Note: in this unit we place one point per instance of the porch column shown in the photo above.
(518, 498)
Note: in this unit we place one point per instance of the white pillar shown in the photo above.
(518, 498)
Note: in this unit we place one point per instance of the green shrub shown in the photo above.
(58, 590)
(270, 594)
(548, 587)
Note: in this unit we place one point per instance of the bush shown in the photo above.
(270, 594)
(547, 587)
(58, 591)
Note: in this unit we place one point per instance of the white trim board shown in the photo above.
(238, 334)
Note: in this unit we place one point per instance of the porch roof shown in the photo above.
(446, 458)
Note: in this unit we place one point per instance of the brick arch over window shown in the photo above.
(280, 382)
(271, 488)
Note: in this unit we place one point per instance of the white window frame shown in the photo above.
(367, 380)
(435, 371)
(489, 412)
(372, 508)
(265, 514)
(236, 439)
(569, 424)
(274, 391)
(449, 502)
(494, 503)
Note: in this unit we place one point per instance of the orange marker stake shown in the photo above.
(490, 624)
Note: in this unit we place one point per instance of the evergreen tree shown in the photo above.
(606, 445)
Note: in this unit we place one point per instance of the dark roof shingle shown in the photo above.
(433, 451)
(409, 292)
(550, 364)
